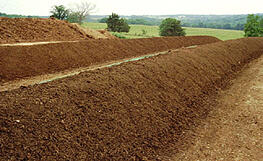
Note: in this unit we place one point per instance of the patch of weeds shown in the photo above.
(119, 35)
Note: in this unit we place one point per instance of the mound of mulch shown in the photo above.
(13, 30)
(96, 34)
(107, 34)
(25, 61)
(135, 111)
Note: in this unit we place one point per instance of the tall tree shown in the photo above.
(59, 12)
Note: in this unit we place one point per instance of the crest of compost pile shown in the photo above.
(139, 110)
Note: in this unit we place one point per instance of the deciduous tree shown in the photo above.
(82, 10)
(117, 24)
(253, 26)
(59, 12)
(171, 27)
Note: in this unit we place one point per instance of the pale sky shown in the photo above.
(138, 7)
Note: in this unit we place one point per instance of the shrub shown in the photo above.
(254, 26)
(115, 24)
(103, 20)
(144, 32)
(171, 27)
(73, 17)
(119, 35)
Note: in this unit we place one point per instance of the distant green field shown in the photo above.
(136, 31)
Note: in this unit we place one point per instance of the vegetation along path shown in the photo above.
(234, 130)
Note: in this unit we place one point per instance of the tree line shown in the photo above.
(16, 16)
(227, 26)
(231, 22)
(137, 20)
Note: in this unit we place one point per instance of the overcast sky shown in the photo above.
(138, 7)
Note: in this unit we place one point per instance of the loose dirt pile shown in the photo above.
(26, 61)
(139, 110)
(107, 34)
(14, 30)
(96, 34)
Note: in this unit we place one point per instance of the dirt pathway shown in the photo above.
(234, 131)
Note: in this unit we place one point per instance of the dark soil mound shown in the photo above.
(138, 110)
(26, 61)
(36, 29)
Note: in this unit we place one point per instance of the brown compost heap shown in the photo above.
(135, 111)
(26, 61)
(14, 30)
(96, 34)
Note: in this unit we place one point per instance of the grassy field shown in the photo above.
(136, 31)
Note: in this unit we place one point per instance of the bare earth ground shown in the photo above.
(234, 131)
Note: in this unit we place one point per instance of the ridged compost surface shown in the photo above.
(137, 110)
(18, 62)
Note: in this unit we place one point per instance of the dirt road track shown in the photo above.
(234, 129)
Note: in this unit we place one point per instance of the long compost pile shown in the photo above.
(135, 111)
(26, 61)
